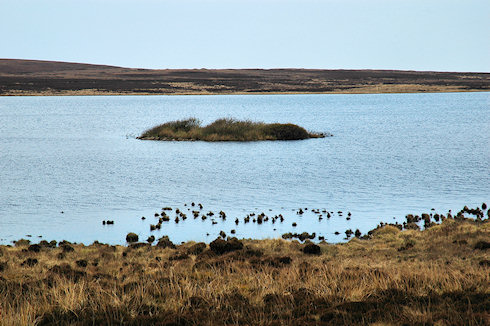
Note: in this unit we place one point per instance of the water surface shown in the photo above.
(391, 154)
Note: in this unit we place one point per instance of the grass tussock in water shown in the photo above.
(436, 276)
(227, 130)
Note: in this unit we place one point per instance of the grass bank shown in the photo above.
(227, 130)
(436, 276)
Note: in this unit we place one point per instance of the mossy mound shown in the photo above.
(228, 130)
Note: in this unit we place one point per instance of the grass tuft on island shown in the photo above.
(228, 130)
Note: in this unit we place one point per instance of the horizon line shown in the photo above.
(248, 68)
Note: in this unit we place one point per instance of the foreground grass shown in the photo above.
(437, 276)
(227, 130)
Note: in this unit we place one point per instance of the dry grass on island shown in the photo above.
(436, 276)
(228, 130)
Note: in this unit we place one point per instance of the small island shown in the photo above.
(227, 130)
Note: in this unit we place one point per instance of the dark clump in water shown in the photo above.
(131, 237)
(301, 236)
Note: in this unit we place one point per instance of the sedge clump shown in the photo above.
(228, 130)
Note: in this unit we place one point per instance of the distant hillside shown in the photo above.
(31, 77)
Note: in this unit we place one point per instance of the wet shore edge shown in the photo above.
(394, 274)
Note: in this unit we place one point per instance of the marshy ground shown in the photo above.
(227, 130)
(436, 276)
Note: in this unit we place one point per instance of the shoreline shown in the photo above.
(83, 93)
(156, 222)
(437, 275)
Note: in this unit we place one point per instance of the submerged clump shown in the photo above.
(228, 130)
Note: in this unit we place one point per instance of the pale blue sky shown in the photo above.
(441, 35)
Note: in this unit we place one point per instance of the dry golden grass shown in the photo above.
(440, 278)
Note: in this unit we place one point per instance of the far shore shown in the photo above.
(49, 78)
(382, 89)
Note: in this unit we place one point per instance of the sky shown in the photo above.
(435, 35)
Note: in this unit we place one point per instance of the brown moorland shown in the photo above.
(31, 77)
(436, 276)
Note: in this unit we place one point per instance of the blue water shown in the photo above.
(391, 154)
